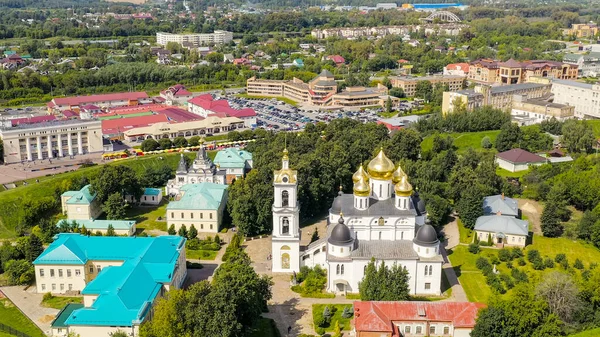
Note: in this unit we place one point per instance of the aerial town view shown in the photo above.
(299, 168)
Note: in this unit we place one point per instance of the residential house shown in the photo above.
(516, 160)
(298, 63)
(119, 286)
(81, 205)
(583, 30)
(459, 69)
(337, 59)
(500, 222)
(200, 205)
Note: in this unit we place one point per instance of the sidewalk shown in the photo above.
(28, 301)
(458, 293)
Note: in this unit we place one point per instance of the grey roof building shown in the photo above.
(502, 224)
(499, 204)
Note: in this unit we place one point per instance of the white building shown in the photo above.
(584, 97)
(202, 170)
(382, 219)
(195, 40)
(200, 205)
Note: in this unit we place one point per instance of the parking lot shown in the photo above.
(274, 115)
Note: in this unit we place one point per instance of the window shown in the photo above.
(99, 268)
(77, 272)
(182, 215)
(70, 287)
(342, 272)
(446, 330)
(407, 329)
(53, 286)
(211, 226)
(60, 273)
(419, 329)
(201, 226)
(210, 215)
(379, 235)
(337, 269)
(91, 269)
(285, 225)
(427, 286)
(172, 215)
(201, 215)
(62, 286)
(285, 199)
(68, 272)
(51, 272)
(432, 330)
(191, 215)
(41, 272)
(43, 287)
(425, 270)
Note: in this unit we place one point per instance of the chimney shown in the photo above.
(498, 213)
(502, 195)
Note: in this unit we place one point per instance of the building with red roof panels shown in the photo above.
(412, 318)
(460, 69)
(32, 120)
(102, 101)
(114, 128)
(205, 105)
(176, 94)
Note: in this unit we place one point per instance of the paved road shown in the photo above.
(458, 293)
(40, 168)
(28, 301)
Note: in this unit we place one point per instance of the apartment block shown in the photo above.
(409, 83)
(533, 111)
(584, 97)
(195, 40)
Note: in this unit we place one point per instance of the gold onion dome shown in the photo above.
(285, 154)
(403, 188)
(381, 167)
(361, 188)
(360, 173)
(397, 175)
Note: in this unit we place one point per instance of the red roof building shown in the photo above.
(32, 120)
(104, 100)
(518, 160)
(116, 127)
(460, 69)
(396, 319)
(205, 105)
(337, 59)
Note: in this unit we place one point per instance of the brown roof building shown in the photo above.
(518, 160)
(514, 72)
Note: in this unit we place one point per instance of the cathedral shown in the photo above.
(383, 219)
(202, 170)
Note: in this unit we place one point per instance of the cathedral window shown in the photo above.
(285, 199)
(285, 228)
(342, 270)
(380, 193)
(405, 204)
(426, 271)
(361, 203)
(381, 221)
(337, 269)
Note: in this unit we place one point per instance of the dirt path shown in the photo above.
(533, 211)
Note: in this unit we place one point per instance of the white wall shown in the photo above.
(293, 252)
(101, 331)
(44, 283)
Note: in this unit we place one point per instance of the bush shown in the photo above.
(217, 240)
(538, 264)
(494, 260)
(578, 264)
(47, 297)
(521, 262)
(533, 255)
(193, 244)
(481, 263)
(593, 265)
(486, 143)
(560, 258)
(320, 331)
(516, 253)
(585, 275)
(508, 281)
(519, 276)
(348, 312)
(474, 248)
(504, 255)
(564, 264)
(509, 265)
(548, 263)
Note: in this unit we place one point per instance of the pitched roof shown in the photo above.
(502, 224)
(511, 63)
(336, 59)
(82, 197)
(520, 156)
(499, 203)
(371, 316)
(61, 318)
(220, 107)
(458, 66)
(203, 196)
(79, 100)
(232, 158)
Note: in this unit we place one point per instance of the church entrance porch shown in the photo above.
(341, 287)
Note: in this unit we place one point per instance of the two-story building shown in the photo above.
(81, 205)
(200, 205)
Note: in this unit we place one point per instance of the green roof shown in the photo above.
(203, 196)
(101, 224)
(82, 197)
(232, 158)
(59, 321)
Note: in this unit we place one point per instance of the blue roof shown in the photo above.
(101, 224)
(82, 197)
(61, 318)
(152, 191)
(232, 158)
(125, 292)
(203, 196)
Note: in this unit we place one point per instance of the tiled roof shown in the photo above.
(458, 66)
(502, 224)
(499, 203)
(32, 120)
(371, 316)
(203, 196)
(520, 156)
(232, 158)
(79, 100)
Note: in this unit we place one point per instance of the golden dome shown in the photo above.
(361, 188)
(381, 167)
(397, 175)
(403, 188)
(285, 154)
(360, 173)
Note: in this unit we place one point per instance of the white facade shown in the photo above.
(218, 37)
(515, 167)
(286, 224)
(202, 170)
(584, 97)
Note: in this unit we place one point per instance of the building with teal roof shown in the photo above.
(234, 161)
(121, 227)
(200, 205)
(151, 196)
(119, 286)
(81, 205)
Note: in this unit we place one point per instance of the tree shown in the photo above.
(405, 144)
(182, 231)
(171, 230)
(384, 284)
(486, 143)
(469, 206)
(424, 90)
(577, 136)
(337, 331)
(397, 92)
(35, 247)
(19, 272)
(165, 143)
(114, 207)
(560, 293)
(119, 333)
(315, 236)
(388, 105)
(192, 233)
(180, 142)
(550, 223)
(116, 179)
(149, 145)
(194, 141)
(110, 231)
(157, 176)
(509, 137)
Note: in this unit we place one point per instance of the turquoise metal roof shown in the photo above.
(152, 191)
(69, 193)
(203, 196)
(232, 158)
(125, 292)
(59, 321)
(101, 224)
(82, 197)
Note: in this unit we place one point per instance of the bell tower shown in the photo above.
(286, 227)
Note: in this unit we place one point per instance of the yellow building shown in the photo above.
(487, 71)
(317, 92)
(361, 97)
(468, 98)
(585, 30)
(409, 83)
(80, 205)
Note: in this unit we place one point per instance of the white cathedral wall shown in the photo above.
(381, 189)
(367, 228)
(355, 271)
(434, 280)
(294, 256)
(279, 188)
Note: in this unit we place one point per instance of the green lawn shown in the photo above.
(265, 327)
(11, 316)
(466, 235)
(573, 249)
(588, 333)
(475, 287)
(147, 216)
(471, 279)
(595, 124)
(507, 174)
(200, 254)
(59, 302)
(317, 310)
(464, 140)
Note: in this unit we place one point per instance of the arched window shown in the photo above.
(285, 199)
(430, 270)
(425, 270)
(342, 270)
(361, 203)
(337, 269)
(285, 261)
(285, 225)
(381, 221)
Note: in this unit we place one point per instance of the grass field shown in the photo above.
(146, 217)
(200, 254)
(317, 310)
(506, 174)
(589, 333)
(11, 210)
(264, 327)
(59, 302)
(464, 140)
(466, 235)
(11, 316)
